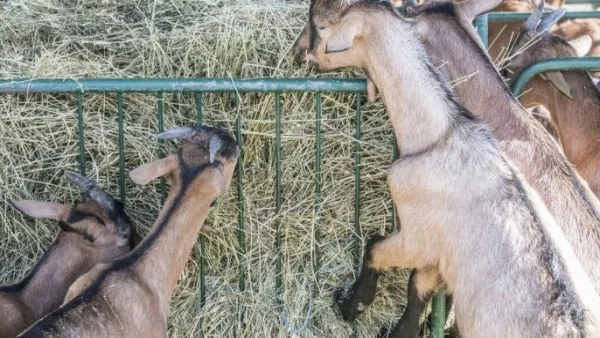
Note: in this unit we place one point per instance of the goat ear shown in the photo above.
(473, 8)
(557, 79)
(582, 45)
(153, 170)
(42, 210)
(344, 34)
(549, 21)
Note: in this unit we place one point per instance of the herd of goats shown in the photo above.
(496, 207)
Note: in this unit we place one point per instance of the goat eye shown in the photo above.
(321, 28)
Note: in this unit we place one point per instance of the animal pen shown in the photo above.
(298, 261)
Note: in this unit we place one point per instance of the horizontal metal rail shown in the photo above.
(214, 85)
(550, 65)
(514, 16)
(584, 2)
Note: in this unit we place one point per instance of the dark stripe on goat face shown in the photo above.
(68, 228)
(562, 291)
(78, 215)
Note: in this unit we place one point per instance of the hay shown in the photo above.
(194, 38)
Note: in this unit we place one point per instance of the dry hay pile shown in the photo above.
(195, 38)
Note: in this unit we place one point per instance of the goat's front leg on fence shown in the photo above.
(381, 253)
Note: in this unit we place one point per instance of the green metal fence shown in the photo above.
(549, 65)
(198, 87)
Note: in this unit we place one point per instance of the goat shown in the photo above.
(450, 39)
(509, 267)
(502, 33)
(95, 231)
(130, 297)
(571, 97)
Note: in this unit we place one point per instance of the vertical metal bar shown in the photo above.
(395, 220)
(80, 127)
(318, 118)
(357, 154)
(199, 113)
(438, 315)
(240, 200)
(121, 148)
(278, 279)
(481, 24)
(201, 262)
(161, 152)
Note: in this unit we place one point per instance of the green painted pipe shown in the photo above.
(514, 16)
(549, 65)
(481, 24)
(103, 85)
(438, 315)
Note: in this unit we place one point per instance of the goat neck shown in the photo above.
(168, 246)
(453, 45)
(44, 288)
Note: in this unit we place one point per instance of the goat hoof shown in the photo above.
(348, 307)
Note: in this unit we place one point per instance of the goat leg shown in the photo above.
(408, 325)
(362, 292)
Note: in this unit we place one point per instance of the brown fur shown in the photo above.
(578, 118)
(475, 235)
(542, 115)
(130, 297)
(502, 33)
(532, 150)
(69, 257)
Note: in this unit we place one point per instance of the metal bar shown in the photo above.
(161, 152)
(182, 85)
(549, 65)
(121, 148)
(438, 315)
(80, 127)
(199, 113)
(513, 16)
(240, 200)
(395, 220)
(584, 2)
(481, 24)
(201, 259)
(318, 118)
(357, 159)
(279, 277)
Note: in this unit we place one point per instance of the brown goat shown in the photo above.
(93, 232)
(451, 41)
(571, 97)
(502, 34)
(511, 270)
(130, 297)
